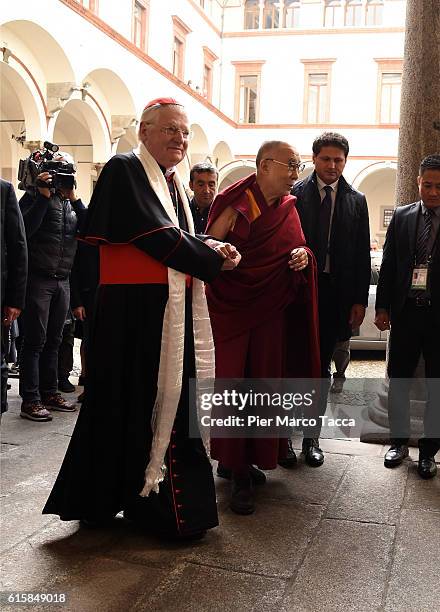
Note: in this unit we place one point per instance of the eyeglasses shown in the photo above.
(173, 131)
(291, 166)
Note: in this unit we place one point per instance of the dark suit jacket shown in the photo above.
(13, 249)
(350, 263)
(398, 262)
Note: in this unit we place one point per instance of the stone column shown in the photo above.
(419, 136)
(420, 102)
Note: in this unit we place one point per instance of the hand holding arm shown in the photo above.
(357, 315)
(299, 259)
(382, 320)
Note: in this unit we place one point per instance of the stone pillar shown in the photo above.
(419, 136)
(420, 101)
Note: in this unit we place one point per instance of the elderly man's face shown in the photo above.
(283, 169)
(166, 137)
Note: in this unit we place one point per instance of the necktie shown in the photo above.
(423, 237)
(325, 212)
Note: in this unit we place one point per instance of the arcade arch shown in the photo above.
(80, 131)
(222, 154)
(198, 148)
(235, 171)
(378, 183)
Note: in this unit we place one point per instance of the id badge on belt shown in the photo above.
(420, 277)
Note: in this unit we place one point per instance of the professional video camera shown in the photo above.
(48, 159)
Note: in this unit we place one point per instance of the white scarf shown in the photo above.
(169, 382)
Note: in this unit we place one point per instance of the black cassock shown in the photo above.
(103, 470)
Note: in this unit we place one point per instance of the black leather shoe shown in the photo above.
(65, 386)
(396, 455)
(257, 476)
(426, 467)
(242, 498)
(290, 460)
(313, 455)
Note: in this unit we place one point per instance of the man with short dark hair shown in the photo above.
(408, 302)
(203, 183)
(334, 218)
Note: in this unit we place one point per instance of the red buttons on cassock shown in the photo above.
(173, 445)
(177, 491)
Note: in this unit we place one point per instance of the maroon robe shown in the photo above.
(263, 314)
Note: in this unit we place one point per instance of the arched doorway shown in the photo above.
(378, 183)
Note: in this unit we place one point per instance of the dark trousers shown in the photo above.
(65, 351)
(415, 332)
(47, 302)
(328, 337)
(4, 367)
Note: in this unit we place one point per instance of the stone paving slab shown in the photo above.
(422, 494)
(23, 510)
(18, 431)
(24, 461)
(271, 541)
(196, 588)
(349, 447)
(301, 483)
(345, 569)
(136, 546)
(107, 585)
(370, 492)
(414, 584)
(53, 551)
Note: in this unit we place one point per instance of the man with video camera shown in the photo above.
(52, 214)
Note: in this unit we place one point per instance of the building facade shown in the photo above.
(78, 73)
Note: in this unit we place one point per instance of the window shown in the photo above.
(92, 5)
(247, 91)
(353, 13)
(291, 13)
(178, 57)
(374, 14)
(317, 78)
(271, 15)
(251, 15)
(332, 13)
(140, 24)
(389, 83)
(387, 214)
(208, 71)
(390, 97)
(179, 40)
(317, 97)
(248, 98)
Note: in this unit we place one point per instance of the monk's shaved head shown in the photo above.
(269, 149)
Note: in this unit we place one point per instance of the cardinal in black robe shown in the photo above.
(131, 449)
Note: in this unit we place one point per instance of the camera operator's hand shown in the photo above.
(69, 194)
(45, 178)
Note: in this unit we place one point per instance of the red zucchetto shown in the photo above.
(162, 102)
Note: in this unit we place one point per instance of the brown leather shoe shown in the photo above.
(34, 411)
(57, 402)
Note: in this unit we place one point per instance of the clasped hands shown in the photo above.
(226, 250)
(299, 259)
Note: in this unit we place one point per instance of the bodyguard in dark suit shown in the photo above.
(334, 218)
(408, 300)
(14, 270)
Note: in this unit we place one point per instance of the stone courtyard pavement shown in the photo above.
(349, 536)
